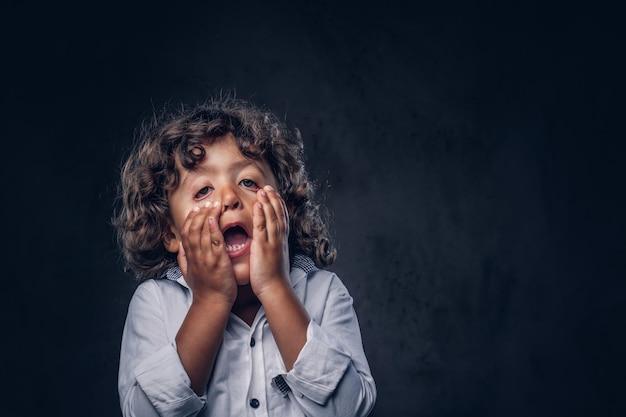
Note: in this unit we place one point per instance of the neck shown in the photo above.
(246, 305)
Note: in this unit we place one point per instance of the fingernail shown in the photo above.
(263, 193)
(216, 204)
(269, 188)
(195, 208)
(208, 204)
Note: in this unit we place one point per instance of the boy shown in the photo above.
(234, 314)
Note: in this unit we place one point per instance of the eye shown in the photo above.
(248, 183)
(204, 191)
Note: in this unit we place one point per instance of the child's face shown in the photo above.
(225, 176)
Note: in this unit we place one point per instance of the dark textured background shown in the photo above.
(470, 154)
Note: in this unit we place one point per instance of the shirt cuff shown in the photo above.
(166, 384)
(319, 367)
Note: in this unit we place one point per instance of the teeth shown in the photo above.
(230, 248)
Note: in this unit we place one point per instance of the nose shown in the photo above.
(230, 199)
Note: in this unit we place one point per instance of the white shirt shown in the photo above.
(331, 376)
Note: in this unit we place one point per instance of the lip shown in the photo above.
(246, 247)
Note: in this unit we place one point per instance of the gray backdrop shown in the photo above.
(470, 155)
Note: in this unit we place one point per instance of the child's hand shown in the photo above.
(269, 253)
(202, 256)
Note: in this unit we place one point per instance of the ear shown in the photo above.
(171, 240)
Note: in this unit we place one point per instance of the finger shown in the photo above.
(275, 213)
(182, 258)
(216, 237)
(284, 213)
(212, 237)
(192, 230)
(186, 229)
(259, 232)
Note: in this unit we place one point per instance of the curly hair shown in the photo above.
(142, 218)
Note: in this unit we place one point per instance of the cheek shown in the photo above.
(249, 198)
(178, 215)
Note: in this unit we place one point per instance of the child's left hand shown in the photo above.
(269, 253)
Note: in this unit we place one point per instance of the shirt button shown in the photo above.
(252, 342)
(254, 403)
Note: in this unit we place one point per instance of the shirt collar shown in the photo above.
(304, 263)
(300, 262)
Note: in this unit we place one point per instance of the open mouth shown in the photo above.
(236, 240)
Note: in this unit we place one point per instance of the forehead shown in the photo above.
(222, 154)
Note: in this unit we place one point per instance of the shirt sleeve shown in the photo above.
(331, 376)
(152, 380)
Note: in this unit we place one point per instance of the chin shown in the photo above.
(242, 281)
(242, 273)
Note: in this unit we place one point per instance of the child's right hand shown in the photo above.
(202, 256)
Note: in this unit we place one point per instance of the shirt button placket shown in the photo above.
(257, 381)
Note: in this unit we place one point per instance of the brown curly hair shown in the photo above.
(142, 216)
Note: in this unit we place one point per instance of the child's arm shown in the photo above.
(208, 271)
(158, 377)
(326, 365)
(269, 275)
(152, 380)
(332, 377)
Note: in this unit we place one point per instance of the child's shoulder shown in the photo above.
(323, 290)
(305, 267)
(330, 278)
(160, 284)
(326, 282)
(160, 289)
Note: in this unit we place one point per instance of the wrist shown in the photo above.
(277, 289)
(212, 301)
